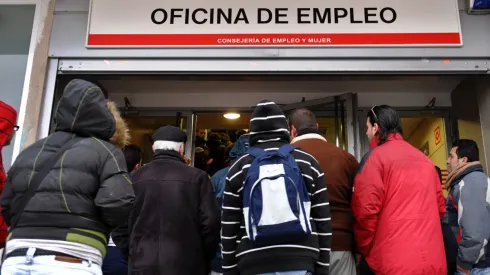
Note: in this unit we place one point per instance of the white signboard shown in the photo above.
(217, 23)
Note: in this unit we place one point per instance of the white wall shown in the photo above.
(70, 30)
(15, 34)
(181, 94)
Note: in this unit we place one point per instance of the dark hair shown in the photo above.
(201, 157)
(388, 121)
(467, 148)
(133, 156)
(200, 141)
(439, 172)
(302, 119)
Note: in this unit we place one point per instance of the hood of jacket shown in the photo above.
(84, 111)
(8, 118)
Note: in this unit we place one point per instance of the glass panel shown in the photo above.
(331, 124)
(214, 137)
(142, 128)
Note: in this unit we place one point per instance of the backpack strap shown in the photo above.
(256, 152)
(286, 149)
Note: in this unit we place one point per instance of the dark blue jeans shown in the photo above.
(114, 263)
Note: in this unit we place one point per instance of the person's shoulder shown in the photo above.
(191, 172)
(220, 174)
(302, 155)
(371, 154)
(240, 163)
(478, 178)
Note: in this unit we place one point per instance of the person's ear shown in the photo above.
(376, 128)
(317, 127)
(209, 161)
(181, 149)
(294, 132)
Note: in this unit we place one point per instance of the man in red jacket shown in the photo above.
(397, 203)
(8, 118)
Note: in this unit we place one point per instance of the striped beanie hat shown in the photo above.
(268, 123)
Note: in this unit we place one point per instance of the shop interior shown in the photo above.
(426, 131)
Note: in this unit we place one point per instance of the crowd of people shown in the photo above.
(279, 199)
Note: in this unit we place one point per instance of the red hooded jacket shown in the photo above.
(398, 206)
(8, 118)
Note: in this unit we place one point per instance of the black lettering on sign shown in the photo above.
(241, 16)
(211, 16)
(260, 13)
(321, 18)
(368, 14)
(186, 16)
(159, 16)
(387, 13)
(340, 13)
(195, 19)
(226, 17)
(281, 12)
(301, 15)
(353, 17)
(174, 14)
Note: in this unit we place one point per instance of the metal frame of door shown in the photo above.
(190, 121)
(343, 104)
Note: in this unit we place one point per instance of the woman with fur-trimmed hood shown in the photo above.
(86, 194)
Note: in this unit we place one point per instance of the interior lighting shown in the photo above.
(231, 115)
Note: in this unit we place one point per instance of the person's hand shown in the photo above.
(464, 271)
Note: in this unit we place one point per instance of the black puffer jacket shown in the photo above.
(88, 191)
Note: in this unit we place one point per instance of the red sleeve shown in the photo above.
(441, 201)
(367, 199)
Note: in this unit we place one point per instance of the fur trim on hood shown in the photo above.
(121, 137)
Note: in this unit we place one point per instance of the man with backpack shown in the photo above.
(276, 214)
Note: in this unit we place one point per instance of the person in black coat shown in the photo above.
(175, 223)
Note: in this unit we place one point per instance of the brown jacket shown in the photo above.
(340, 169)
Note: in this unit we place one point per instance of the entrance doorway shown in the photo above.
(336, 118)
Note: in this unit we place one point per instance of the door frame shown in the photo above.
(351, 123)
(442, 112)
(190, 118)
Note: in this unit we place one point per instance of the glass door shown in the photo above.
(336, 118)
(143, 122)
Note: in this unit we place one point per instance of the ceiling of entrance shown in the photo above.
(291, 84)
(217, 121)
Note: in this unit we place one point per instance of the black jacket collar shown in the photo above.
(167, 155)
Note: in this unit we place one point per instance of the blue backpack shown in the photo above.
(276, 203)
